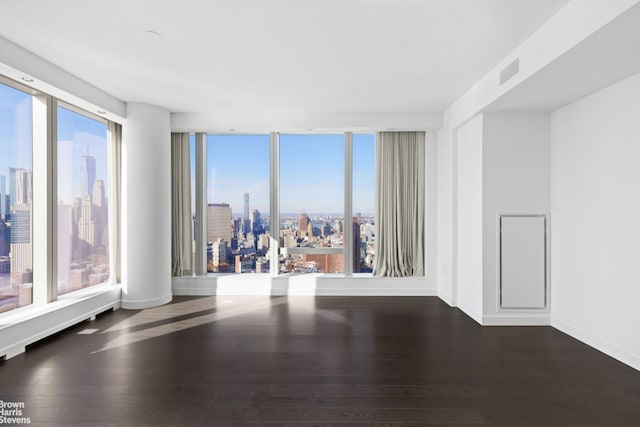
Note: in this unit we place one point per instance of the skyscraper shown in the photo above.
(23, 179)
(100, 212)
(20, 237)
(219, 222)
(3, 191)
(245, 216)
(255, 221)
(303, 225)
(219, 252)
(356, 244)
(12, 186)
(86, 228)
(87, 173)
(65, 241)
(20, 232)
(4, 239)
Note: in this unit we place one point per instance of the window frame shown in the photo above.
(274, 206)
(57, 103)
(44, 216)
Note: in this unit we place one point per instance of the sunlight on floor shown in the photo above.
(175, 317)
(182, 311)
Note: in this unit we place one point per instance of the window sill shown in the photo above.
(302, 284)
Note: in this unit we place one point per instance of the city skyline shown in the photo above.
(238, 164)
(16, 141)
(77, 136)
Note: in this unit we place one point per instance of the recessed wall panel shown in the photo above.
(523, 261)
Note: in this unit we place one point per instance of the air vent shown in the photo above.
(510, 71)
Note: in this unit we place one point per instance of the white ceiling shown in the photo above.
(279, 55)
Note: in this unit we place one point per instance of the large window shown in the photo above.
(322, 188)
(312, 203)
(363, 202)
(83, 222)
(16, 249)
(238, 234)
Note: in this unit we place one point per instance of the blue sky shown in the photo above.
(15, 130)
(75, 133)
(311, 172)
(311, 166)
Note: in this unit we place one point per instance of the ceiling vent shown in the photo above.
(509, 71)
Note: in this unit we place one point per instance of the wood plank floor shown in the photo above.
(323, 361)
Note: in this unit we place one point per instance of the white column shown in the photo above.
(146, 207)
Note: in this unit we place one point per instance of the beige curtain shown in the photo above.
(181, 225)
(400, 210)
(114, 135)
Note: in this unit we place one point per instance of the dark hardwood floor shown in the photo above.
(324, 361)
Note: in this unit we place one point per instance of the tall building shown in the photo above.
(3, 192)
(325, 229)
(100, 212)
(255, 221)
(65, 239)
(23, 179)
(20, 238)
(219, 252)
(303, 225)
(245, 213)
(87, 173)
(263, 243)
(20, 232)
(4, 238)
(219, 222)
(86, 228)
(5, 202)
(76, 214)
(12, 186)
(357, 254)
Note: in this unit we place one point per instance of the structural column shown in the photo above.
(146, 207)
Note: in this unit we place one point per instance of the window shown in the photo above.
(238, 232)
(312, 175)
(312, 203)
(16, 249)
(364, 180)
(192, 168)
(83, 222)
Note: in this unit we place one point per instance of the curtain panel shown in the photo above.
(400, 204)
(181, 223)
(114, 135)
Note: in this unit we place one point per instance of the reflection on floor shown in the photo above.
(249, 361)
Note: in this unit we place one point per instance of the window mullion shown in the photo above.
(274, 205)
(201, 204)
(44, 199)
(348, 204)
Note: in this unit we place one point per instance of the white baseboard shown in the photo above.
(147, 303)
(470, 312)
(319, 285)
(517, 319)
(35, 323)
(447, 298)
(599, 343)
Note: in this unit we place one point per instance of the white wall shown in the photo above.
(302, 121)
(595, 201)
(515, 180)
(469, 218)
(445, 216)
(572, 25)
(146, 207)
(16, 62)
